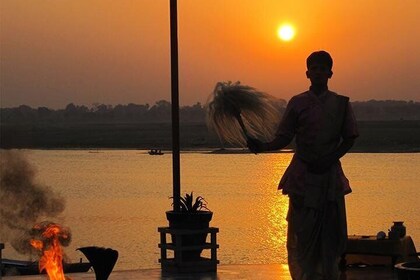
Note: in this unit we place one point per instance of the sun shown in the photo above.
(286, 32)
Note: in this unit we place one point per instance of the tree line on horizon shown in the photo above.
(161, 112)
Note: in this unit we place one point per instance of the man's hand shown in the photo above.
(254, 145)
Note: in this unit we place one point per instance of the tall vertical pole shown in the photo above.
(175, 106)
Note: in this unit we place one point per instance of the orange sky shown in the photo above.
(117, 52)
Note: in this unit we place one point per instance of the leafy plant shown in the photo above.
(188, 204)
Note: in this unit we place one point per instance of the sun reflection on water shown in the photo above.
(275, 206)
(278, 224)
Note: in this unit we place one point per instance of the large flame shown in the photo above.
(48, 238)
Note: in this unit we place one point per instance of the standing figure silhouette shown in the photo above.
(325, 129)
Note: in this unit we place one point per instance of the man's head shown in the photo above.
(319, 65)
(319, 57)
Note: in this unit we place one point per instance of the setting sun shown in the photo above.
(286, 32)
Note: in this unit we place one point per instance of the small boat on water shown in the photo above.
(18, 267)
(156, 152)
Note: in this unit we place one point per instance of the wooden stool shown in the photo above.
(177, 264)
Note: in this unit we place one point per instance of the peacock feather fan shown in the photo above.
(231, 104)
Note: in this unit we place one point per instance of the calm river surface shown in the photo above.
(118, 199)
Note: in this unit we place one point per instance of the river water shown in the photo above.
(118, 198)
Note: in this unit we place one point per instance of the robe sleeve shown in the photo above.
(349, 128)
(288, 123)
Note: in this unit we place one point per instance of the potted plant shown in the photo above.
(193, 215)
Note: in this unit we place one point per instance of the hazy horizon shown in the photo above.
(117, 52)
(92, 105)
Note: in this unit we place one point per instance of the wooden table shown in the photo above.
(399, 250)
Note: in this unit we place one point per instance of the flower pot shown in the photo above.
(191, 221)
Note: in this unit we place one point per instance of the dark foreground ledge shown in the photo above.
(225, 272)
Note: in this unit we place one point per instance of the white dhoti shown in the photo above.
(317, 230)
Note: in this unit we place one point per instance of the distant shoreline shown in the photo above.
(375, 137)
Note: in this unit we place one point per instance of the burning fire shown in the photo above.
(48, 237)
